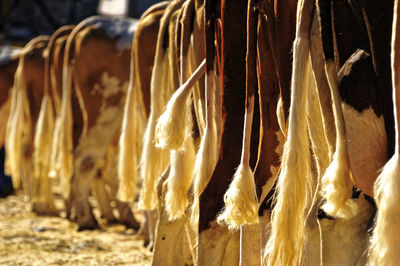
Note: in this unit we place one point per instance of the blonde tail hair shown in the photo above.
(42, 149)
(153, 160)
(336, 182)
(63, 141)
(172, 128)
(130, 142)
(179, 180)
(207, 155)
(18, 126)
(286, 242)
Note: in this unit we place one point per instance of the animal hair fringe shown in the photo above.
(286, 243)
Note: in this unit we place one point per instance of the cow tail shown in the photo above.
(153, 160)
(64, 141)
(172, 128)
(206, 157)
(179, 180)
(293, 191)
(131, 132)
(241, 202)
(15, 122)
(43, 133)
(336, 182)
(182, 159)
(384, 243)
(42, 148)
(150, 161)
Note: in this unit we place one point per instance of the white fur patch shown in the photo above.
(366, 143)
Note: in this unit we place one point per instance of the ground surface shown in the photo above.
(27, 239)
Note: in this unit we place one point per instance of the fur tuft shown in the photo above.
(172, 127)
(385, 241)
(64, 162)
(179, 180)
(207, 155)
(153, 160)
(42, 150)
(336, 183)
(130, 144)
(286, 243)
(18, 135)
(241, 204)
(337, 190)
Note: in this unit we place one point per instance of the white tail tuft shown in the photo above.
(336, 183)
(286, 243)
(18, 134)
(179, 180)
(241, 204)
(336, 189)
(42, 150)
(130, 144)
(207, 155)
(172, 127)
(153, 160)
(63, 142)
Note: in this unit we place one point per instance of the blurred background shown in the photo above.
(22, 20)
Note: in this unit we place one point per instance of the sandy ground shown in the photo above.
(27, 239)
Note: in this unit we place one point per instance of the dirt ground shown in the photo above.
(27, 239)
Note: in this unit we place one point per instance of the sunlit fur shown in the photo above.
(172, 127)
(64, 163)
(13, 140)
(385, 240)
(153, 160)
(336, 183)
(280, 115)
(241, 203)
(385, 245)
(41, 155)
(179, 180)
(206, 157)
(130, 142)
(19, 128)
(286, 242)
